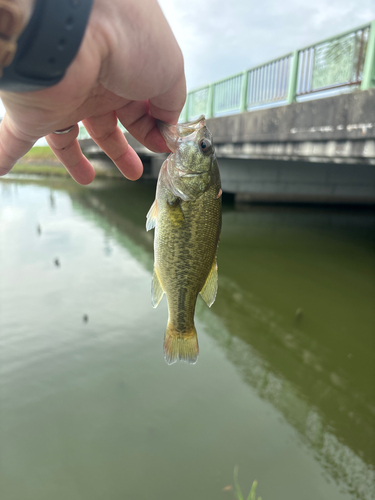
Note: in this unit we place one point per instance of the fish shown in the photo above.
(186, 216)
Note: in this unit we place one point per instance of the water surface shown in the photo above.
(283, 386)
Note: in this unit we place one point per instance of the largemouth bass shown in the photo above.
(186, 215)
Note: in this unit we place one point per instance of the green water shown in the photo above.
(283, 388)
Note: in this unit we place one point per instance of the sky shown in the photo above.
(220, 38)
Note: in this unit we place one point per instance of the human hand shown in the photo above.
(129, 66)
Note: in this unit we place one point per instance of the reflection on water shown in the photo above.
(284, 385)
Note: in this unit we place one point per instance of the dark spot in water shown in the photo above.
(57, 262)
(298, 315)
(85, 318)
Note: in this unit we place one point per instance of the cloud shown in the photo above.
(222, 38)
(219, 38)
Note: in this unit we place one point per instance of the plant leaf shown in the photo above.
(252, 494)
(236, 485)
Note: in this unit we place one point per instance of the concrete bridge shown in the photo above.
(300, 128)
(317, 151)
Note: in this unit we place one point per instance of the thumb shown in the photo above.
(168, 106)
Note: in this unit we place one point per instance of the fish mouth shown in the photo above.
(172, 134)
(169, 134)
(192, 175)
(186, 173)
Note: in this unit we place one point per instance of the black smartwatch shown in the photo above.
(47, 46)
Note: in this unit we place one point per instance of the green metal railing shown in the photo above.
(340, 63)
(333, 63)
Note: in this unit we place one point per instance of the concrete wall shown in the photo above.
(333, 129)
(279, 181)
(342, 117)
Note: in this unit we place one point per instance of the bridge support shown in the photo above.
(265, 181)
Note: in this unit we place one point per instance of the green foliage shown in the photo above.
(30, 169)
(40, 153)
(42, 170)
(251, 495)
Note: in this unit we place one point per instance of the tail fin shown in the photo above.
(179, 346)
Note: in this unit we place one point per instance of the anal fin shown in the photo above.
(209, 290)
(157, 291)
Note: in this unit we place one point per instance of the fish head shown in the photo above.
(191, 165)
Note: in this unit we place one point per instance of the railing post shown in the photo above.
(210, 101)
(244, 84)
(293, 76)
(368, 77)
(82, 134)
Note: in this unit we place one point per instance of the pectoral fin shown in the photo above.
(209, 290)
(151, 216)
(157, 291)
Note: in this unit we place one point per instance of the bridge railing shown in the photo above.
(268, 83)
(341, 63)
(83, 134)
(333, 63)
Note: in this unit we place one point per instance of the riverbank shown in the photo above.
(40, 160)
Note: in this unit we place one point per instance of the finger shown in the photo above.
(68, 151)
(142, 126)
(168, 106)
(104, 130)
(12, 145)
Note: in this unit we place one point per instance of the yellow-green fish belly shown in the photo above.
(186, 240)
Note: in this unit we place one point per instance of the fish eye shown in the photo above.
(205, 145)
